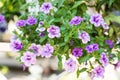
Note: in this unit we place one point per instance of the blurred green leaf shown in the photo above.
(78, 3)
(113, 18)
(60, 62)
(80, 71)
(111, 31)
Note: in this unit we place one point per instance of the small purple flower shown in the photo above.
(36, 49)
(92, 47)
(46, 7)
(89, 48)
(77, 52)
(70, 65)
(117, 65)
(2, 18)
(76, 20)
(105, 26)
(28, 58)
(21, 23)
(54, 31)
(42, 34)
(104, 59)
(84, 36)
(95, 47)
(98, 72)
(41, 23)
(110, 43)
(96, 19)
(16, 45)
(31, 20)
(47, 51)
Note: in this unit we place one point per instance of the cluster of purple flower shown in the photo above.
(92, 47)
(29, 57)
(78, 52)
(98, 20)
(34, 50)
(30, 21)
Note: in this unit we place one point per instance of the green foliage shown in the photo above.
(11, 7)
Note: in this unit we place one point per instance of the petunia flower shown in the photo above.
(28, 58)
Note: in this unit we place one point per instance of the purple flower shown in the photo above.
(91, 48)
(98, 72)
(47, 51)
(70, 65)
(2, 18)
(42, 34)
(36, 49)
(84, 36)
(31, 20)
(117, 65)
(21, 23)
(104, 59)
(46, 7)
(95, 47)
(54, 31)
(41, 23)
(16, 45)
(105, 26)
(110, 43)
(77, 52)
(96, 19)
(76, 20)
(28, 58)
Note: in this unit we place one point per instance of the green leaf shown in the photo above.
(60, 3)
(78, 3)
(43, 39)
(66, 38)
(83, 69)
(60, 62)
(66, 48)
(113, 18)
(110, 2)
(84, 58)
(61, 44)
(91, 65)
(111, 31)
(118, 55)
(51, 41)
(80, 71)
